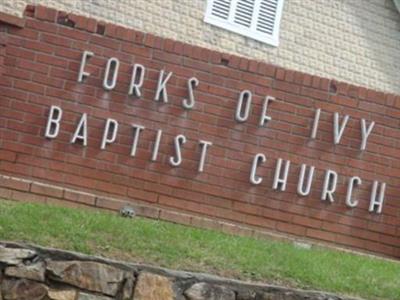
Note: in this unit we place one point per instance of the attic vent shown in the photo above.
(220, 9)
(244, 13)
(257, 19)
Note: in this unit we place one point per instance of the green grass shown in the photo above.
(179, 247)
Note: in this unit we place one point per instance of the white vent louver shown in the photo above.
(258, 19)
(267, 15)
(244, 12)
(220, 9)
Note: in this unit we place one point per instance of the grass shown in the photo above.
(179, 247)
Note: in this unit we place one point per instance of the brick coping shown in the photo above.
(12, 20)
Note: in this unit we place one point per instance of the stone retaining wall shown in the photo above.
(35, 273)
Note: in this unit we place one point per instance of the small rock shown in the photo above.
(62, 295)
(87, 275)
(33, 272)
(205, 291)
(23, 289)
(15, 256)
(153, 287)
(84, 296)
(127, 290)
(246, 295)
(302, 245)
(127, 212)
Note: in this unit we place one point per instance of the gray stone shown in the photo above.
(127, 290)
(153, 287)
(62, 294)
(87, 275)
(206, 291)
(33, 271)
(84, 296)
(15, 256)
(23, 289)
(246, 295)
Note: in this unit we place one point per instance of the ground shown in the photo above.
(178, 247)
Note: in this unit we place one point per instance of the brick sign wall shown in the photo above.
(112, 111)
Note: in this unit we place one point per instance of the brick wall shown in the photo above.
(41, 68)
(353, 41)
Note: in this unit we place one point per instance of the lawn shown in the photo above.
(179, 247)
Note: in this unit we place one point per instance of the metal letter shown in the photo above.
(278, 180)
(156, 145)
(162, 87)
(137, 129)
(355, 180)
(246, 94)
(111, 124)
(81, 131)
(365, 132)
(137, 79)
(177, 160)
(330, 184)
(338, 130)
(377, 202)
(112, 65)
(315, 124)
(258, 158)
(82, 74)
(191, 84)
(264, 116)
(300, 186)
(53, 122)
(204, 146)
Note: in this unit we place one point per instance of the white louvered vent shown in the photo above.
(220, 9)
(267, 15)
(257, 19)
(244, 13)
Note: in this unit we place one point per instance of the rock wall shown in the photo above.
(35, 273)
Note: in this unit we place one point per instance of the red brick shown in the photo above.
(175, 217)
(137, 194)
(7, 155)
(5, 193)
(11, 20)
(280, 74)
(108, 203)
(290, 228)
(27, 197)
(84, 198)
(147, 211)
(25, 32)
(46, 189)
(321, 235)
(15, 184)
(45, 13)
(29, 11)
